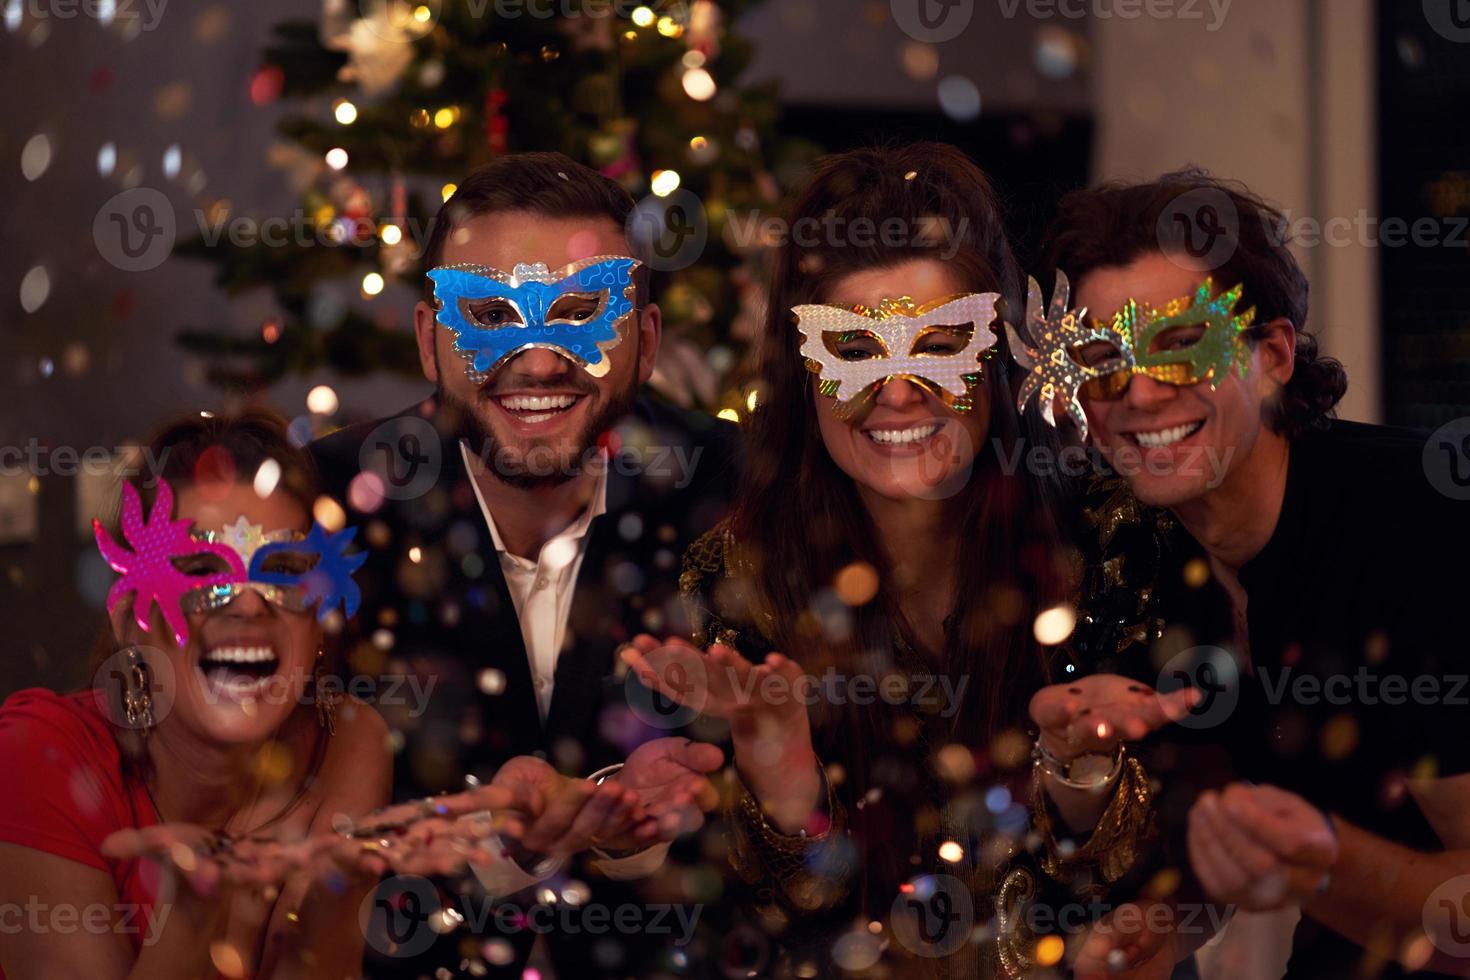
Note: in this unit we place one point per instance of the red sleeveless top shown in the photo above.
(66, 792)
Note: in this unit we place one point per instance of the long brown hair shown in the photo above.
(799, 517)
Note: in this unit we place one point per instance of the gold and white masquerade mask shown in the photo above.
(938, 346)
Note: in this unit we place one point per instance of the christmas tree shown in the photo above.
(398, 100)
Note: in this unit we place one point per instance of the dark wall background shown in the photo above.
(1424, 87)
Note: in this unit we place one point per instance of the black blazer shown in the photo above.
(445, 615)
(437, 615)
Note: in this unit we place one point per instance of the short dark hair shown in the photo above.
(1115, 223)
(549, 184)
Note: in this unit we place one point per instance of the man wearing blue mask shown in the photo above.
(533, 511)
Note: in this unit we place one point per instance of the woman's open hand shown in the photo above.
(1092, 715)
(765, 704)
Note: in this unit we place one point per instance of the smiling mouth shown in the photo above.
(910, 436)
(1163, 438)
(536, 408)
(239, 671)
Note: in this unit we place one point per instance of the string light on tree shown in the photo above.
(699, 84)
(444, 100)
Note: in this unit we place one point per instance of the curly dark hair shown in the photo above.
(1113, 224)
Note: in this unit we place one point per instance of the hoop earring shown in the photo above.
(326, 708)
(137, 696)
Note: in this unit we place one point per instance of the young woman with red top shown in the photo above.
(200, 810)
(208, 807)
(219, 731)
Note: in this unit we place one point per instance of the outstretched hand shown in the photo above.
(1260, 847)
(671, 778)
(1092, 715)
(567, 815)
(209, 863)
(765, 704)
(1133, 942)
(769, 697)
(439, 835)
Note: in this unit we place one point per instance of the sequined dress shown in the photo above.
(985, 857)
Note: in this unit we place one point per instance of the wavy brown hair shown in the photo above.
(800, 520)
(1113, 224)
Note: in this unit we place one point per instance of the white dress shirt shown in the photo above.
(542, 589)
(542, 592)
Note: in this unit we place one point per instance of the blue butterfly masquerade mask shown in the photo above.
(578, 311)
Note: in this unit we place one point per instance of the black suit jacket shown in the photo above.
(439, 646)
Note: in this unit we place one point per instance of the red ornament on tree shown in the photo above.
(266, 85)
(497, 124)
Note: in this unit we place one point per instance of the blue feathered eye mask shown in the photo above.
(578, 311)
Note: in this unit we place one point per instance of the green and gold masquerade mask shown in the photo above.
(1185, 342)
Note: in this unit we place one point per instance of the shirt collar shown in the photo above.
(574, 531)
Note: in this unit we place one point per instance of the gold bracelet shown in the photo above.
(760, 852)
(1115, 841)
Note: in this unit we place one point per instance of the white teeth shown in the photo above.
(239, 655)
(237, 688)
(899, 437)
(1166, 437)
(538, 403)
